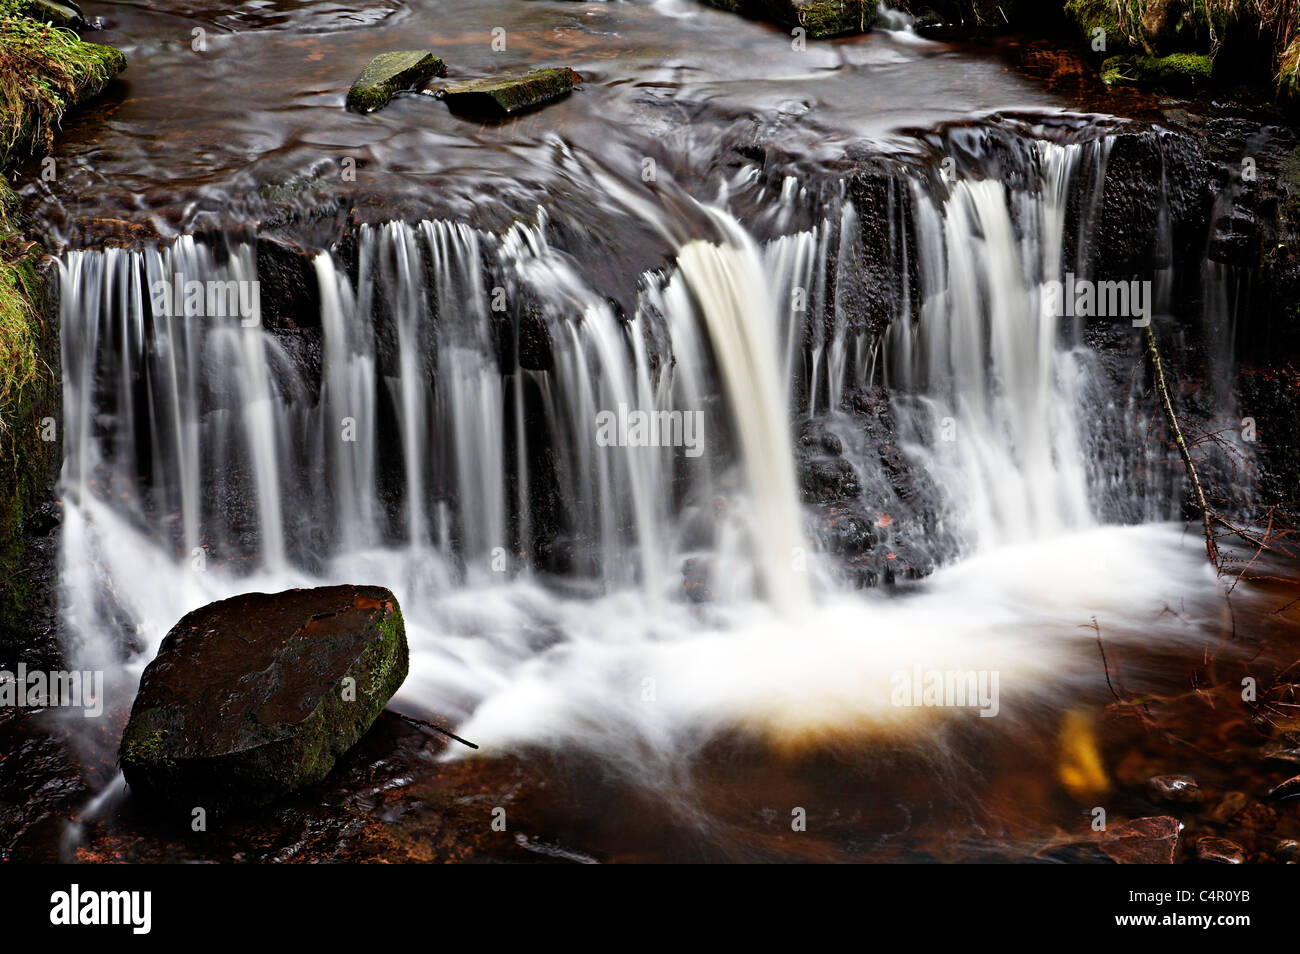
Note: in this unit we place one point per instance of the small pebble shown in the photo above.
(1220, 851)
(1179, 789)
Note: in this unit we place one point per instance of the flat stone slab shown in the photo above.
(252, 697)
(390, 73)
(498, 96)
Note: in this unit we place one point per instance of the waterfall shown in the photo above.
(530, 466)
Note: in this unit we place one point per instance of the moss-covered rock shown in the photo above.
(1121, 33)
(498, 96)
(60, 13)
(820, 18)
(1180, 72)
(388, 74)
(255, 696)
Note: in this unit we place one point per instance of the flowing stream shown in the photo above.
(588, 486)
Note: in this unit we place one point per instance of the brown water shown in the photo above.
(186, 139)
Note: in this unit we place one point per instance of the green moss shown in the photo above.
(1179, 71)
(1113, 16)
(141, 745)
(389, 73)
(44, 71)
(505, 95)
(1288, 72)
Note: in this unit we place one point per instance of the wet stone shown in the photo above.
(1220, 851)
(252, 697)
(388, 74)
(1175, 789)
(498, 96)
(1287, 851)
(1143, 841)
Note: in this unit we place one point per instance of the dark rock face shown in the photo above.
(824, 475)
(255, 696)
(1143, 841)
(1154, 204)
(499, 96)
(389, 73)
(289, 293)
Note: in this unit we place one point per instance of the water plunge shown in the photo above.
(437, 434)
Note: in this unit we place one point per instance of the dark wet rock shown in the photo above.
(823, 479)
(61, 13)
(1176, 789)
(821, 18)
(1232, 804)
(696, 572)
(824, 475)
(816, 437)
(255, 696)
(1155, 201)
(498, 96)
(1288, 789)
(289, 293)
(875, 291)
(388, 74)
(1219, 851)
(849, 531)
(1143, 841)
(1287, 851)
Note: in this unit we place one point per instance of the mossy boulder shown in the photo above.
(253, 697)
(820, 18)
(61, 13)
(1121, 33)
(498, 96)
(388, 74)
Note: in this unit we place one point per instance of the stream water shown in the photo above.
(670, 635)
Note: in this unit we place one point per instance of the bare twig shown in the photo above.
(1211, 548)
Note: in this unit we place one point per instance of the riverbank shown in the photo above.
(1249, 48)
(45, 71)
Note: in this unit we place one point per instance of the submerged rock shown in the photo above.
(819, 17)
(253, 697)
(1143, 841)
(1220, 851)
(1177, 789)
(498, 96)
(389, 73)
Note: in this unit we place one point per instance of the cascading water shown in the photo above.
(539, 565)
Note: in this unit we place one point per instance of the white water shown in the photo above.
(614, 659)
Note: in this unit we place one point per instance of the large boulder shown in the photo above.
(255, 696)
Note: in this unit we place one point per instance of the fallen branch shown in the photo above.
(435, 728)
(1211, 548)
